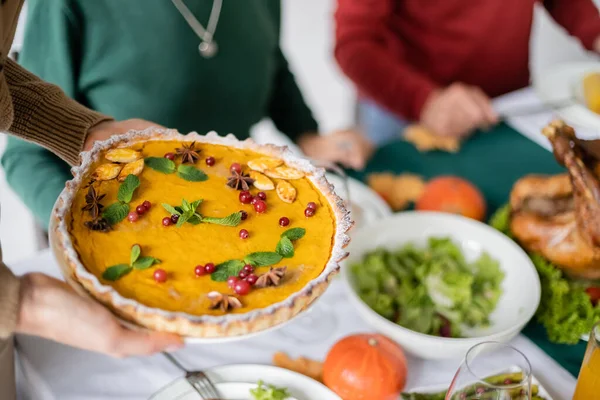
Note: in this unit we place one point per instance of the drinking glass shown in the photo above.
(588, 383)
(319, 321)
(478, 378)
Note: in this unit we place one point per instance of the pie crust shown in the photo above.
(202, 326)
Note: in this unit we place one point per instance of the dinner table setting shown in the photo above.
(499, 342)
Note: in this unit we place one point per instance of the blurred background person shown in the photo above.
(159, 62)
(440, 64)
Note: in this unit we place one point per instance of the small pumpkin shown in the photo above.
(454, 195)
(365, 367)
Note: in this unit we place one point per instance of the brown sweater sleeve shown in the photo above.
(43, 114)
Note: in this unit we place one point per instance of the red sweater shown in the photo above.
(398, 51)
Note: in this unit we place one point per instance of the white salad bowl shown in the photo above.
(520, 288)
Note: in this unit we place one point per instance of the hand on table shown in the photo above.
(457, 111)
(50, 309)
(347, 147)
(106, 129)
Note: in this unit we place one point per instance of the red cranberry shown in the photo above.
(236, 167)
(170, 156)
(160, 275)
(244, 234)
(312, 205)
(147, 205)
(140, 209)
(210, 268)
(133, 216)
(309, 212)
(284, 221)
(199, 270)
(245, 197)
(241, 287)
(260, 206)
(166, 221)
(232, 280)
(251, 279)
(174, 218)
(254, 200)
(248, 268)
(243, 215)
(261, 195)
(210, 161)
(243, 274)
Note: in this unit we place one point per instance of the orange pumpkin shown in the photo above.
(452, 195)
(365, 367)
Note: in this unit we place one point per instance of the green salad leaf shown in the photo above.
(431, 289)
(269, 392)
(565, 310)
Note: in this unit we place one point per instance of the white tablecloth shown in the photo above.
(51, 371)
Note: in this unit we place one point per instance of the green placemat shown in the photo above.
(493, 161)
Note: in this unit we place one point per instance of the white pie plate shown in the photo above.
(235, 381)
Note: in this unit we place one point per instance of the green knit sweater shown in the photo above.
(140, 59)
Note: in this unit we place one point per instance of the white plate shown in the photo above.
(521, 285)
(565, 81)
(235, 381)
(366, 205)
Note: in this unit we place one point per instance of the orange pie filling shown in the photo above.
(179, 249)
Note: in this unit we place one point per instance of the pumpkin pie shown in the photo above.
(201, 235)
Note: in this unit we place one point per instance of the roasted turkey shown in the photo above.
(559, 216)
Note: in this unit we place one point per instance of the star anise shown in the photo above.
(239, 181)
(271, 278)
(98, 224)
(92, 202)
(223, 301)
(188, 153)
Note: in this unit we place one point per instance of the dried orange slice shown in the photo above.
(123, 155)
(261, 181)
(286, 191)
(284, 172)
(106, 172)
(134, 168)
(264, 163)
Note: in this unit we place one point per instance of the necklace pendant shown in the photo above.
(208, 49)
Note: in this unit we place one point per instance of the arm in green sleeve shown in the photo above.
(36, 175)
(287, 108)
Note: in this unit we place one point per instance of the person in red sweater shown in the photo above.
(440, 62)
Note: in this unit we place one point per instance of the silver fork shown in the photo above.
(198, 379)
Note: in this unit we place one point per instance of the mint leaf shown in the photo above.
(227, 269)
(116, 271)
(231, 220)
(263, 258)
(190, 173)
(294, 233)
(145, 262)
(186, 206)
(170, 209)
(285, 247)
(195, 204)
(115, 213)
(183, 219)
(160, 164)
(195, 219)
(135, 253)
(127, 188)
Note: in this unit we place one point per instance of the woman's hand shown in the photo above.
(457, 111)
(347, 147)
(50, 309)
(106, 129)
